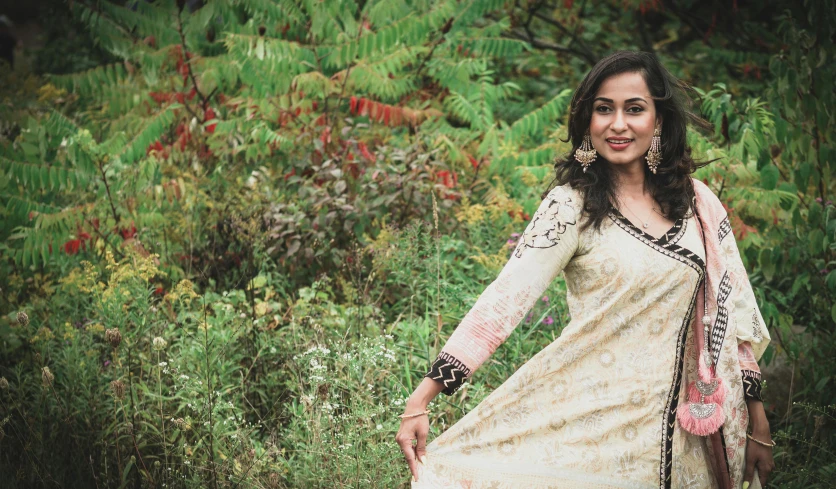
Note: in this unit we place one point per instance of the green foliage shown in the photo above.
(251, 180)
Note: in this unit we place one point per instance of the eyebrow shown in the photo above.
(634, 99)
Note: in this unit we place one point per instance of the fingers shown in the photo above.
(421, 446)
(405, 442)
(764, 468)
(749, 473)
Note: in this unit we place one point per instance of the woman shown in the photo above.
(654, 380)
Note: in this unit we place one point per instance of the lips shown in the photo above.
(618, 144)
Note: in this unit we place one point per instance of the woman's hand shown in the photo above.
(414, 429)
(758, 457)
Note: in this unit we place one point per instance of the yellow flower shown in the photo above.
(96, 328)
(184, 290)
(43, 334)
(471, 214)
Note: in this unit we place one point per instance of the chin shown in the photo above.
(620, 159)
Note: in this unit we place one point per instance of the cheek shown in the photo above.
(597, 129)
(647, 124)
(597, 125)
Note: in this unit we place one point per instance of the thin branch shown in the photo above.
(584, 50)
(109, 196)
(187, 59)
(540, 44)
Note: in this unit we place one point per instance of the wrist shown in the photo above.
(757, 418)
(416, 404)
(761, 432)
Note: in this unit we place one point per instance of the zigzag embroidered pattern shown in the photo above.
(449, 371)
(752, 385)
(725, 229)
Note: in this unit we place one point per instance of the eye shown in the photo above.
(602, 108)
(638, 109)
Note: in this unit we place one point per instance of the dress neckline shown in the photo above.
(670, 236)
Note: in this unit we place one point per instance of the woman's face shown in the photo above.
(623, 119)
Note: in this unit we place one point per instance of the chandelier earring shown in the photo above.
(586, 154)
(654, 154)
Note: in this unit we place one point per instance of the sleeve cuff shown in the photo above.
(752, 386)
(449, 371)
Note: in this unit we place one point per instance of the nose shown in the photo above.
(619, 124)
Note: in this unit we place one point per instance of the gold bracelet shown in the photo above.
(770, 444)
(402, 416)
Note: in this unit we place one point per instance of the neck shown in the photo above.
(629, 179)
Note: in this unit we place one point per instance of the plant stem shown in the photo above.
(211, 400)
(162, 417)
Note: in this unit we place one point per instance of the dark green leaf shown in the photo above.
(769, 177)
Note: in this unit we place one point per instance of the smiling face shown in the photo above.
(623, 119)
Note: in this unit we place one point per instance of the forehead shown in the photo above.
(624, 86)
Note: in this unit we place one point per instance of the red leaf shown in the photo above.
(208, 116)
(352, 104)
(71, 246)
(128, 233)
(365, 152)
(473, 161)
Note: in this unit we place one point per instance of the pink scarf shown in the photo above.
(715, 227)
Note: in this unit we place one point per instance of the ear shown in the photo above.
(659, 121)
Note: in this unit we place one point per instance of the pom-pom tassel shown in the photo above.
(716, 395)
(690, 416)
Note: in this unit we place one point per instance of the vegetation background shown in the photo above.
(236, 232)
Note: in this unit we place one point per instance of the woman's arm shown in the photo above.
(550, 240)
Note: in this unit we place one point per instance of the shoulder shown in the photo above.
(563, 203)
(565, 194)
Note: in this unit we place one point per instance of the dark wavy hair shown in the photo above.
(671, 186)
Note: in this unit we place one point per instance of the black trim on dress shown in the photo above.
(668, 247)
(752, 389)
(661, 245)
(449, 371)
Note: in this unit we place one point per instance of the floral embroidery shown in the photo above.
(548, 224)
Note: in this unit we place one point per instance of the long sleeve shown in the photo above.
(549, 241)
(751, 331)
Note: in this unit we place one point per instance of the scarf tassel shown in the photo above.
(703, 414)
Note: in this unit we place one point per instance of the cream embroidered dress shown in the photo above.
(597, 407)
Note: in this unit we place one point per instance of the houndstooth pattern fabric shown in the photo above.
(720, 325)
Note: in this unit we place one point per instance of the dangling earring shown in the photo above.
(654, 154)
(586, 154)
